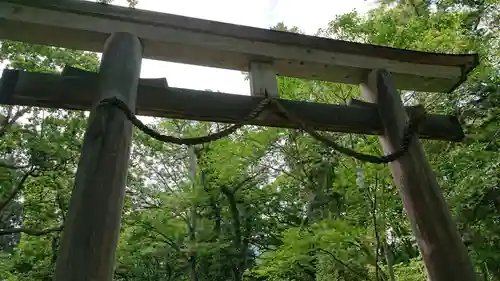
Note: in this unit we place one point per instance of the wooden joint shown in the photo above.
(263, 79)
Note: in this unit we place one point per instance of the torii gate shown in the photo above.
(125, 36)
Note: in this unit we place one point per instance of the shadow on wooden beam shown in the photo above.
(77, 90)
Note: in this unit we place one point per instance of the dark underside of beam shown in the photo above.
(77, 90)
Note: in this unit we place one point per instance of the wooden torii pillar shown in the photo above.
(92, 227)
(443, 251)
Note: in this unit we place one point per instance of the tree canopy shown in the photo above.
(266, 203)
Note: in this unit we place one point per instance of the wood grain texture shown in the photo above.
(440, 244)
(84, 25)
(90, 237)
(154, 99)
(263, 79)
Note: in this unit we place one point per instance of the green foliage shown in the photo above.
(266, 203)
(321, 248)
(411, 270)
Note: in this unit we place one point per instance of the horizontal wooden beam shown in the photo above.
(78, 90)
(85, 26)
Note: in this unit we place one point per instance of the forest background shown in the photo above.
(267, 203)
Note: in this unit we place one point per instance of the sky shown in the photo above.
(308, 16)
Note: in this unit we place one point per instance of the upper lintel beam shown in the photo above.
(85, 26)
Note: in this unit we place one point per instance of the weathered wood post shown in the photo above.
(91, 231)
(262, 79)
(443, 251)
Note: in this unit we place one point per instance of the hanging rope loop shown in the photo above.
(409, 132)
(176, 140)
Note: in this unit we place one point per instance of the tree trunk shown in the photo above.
(237, 236)
(388, 259)
(193, 215)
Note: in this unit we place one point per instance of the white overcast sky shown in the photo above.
(308, 16)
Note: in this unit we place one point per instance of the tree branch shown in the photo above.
(354, 271)
(11, 166)
(166, 239)
(30, 231)
(7, 123)
(375, 226)
(59, 200)
(13, 194)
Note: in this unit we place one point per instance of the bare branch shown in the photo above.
(245, 181)
(11, 166)
(494, 138)
(361, 275)
(166, 239)
(59, 199)
(30, 231)
(7, 123)
(375, 226)
(17, 189)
